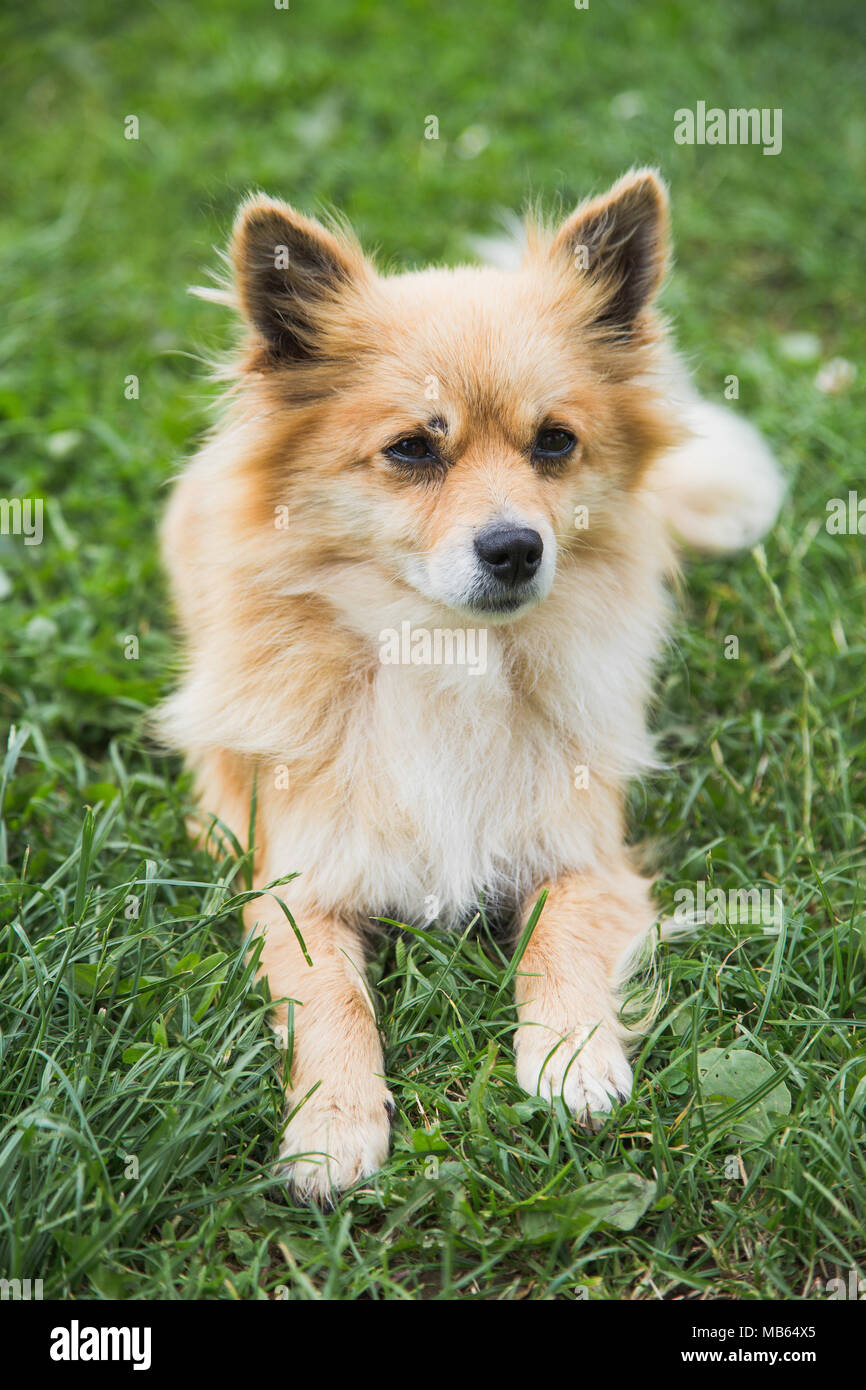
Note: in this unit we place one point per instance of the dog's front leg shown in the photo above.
(569, 1040)
(340, 1133)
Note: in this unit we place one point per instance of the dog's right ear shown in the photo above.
(289, 271)
(623, 240)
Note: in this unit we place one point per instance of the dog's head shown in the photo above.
(463, 432)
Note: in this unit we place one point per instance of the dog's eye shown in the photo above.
(413, 449)
(554, 443)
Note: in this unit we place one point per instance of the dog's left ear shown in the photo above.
(619, 241)
(290, 274)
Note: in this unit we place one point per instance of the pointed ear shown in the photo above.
(288, 271)
(620, 241)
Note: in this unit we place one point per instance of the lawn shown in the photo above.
(140, 1098)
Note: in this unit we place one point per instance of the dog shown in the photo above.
(508, 457)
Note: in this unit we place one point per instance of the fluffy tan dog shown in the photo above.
(421, 568)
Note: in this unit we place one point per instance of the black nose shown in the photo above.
(511, 553)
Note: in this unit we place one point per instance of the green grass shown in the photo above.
(139, 1090)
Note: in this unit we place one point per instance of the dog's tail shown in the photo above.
(721, 489)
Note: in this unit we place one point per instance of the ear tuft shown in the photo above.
(287, 268)
(620, 241)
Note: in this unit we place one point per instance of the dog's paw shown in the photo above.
(334, 1142)
(589, 1069)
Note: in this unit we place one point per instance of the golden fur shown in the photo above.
(293, 541)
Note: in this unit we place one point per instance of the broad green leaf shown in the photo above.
(739, 1080)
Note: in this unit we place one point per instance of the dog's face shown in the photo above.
(463, 432)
